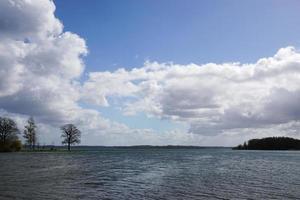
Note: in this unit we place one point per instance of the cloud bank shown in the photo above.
(212, 98)
(223, 104)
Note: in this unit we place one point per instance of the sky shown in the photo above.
(209, 73)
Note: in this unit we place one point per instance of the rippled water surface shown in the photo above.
(151, 173)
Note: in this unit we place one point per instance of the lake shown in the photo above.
(150, 173)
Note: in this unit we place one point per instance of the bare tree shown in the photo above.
(8, 132)
(71, 135)
(30, 133)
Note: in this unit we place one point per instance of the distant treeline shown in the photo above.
(159, 147)
(270, 143)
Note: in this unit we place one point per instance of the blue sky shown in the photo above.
(126, 33)
(137, 84)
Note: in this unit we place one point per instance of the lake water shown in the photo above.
(150, 173)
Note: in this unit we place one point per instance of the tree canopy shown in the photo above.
(9, 135)
(70, 134)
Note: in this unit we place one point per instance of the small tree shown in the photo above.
(8, 133)
(30, 133)
(71, 135)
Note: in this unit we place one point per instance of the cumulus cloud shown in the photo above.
(39, 62)
(40, 70)
(212, 98)
(223, 104)
(28, 20)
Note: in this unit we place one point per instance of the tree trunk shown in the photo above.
(69, 147)
(4, 139)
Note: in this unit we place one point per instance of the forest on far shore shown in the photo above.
(270, 143)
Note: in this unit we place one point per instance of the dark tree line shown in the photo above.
(270, 143)
(9, 135)
(9, 140)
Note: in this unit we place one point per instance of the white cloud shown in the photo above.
(40, 68)
(28, 20)
(213, 98)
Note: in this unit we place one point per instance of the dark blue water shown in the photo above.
(151, 173)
